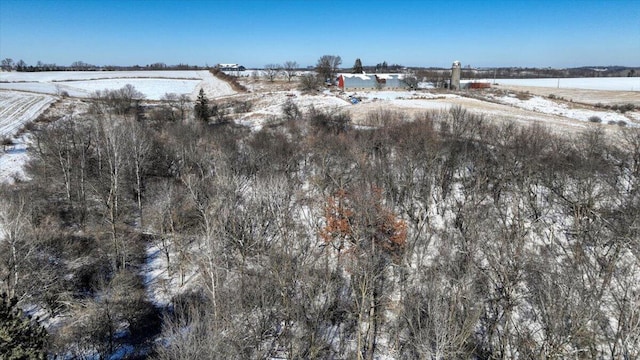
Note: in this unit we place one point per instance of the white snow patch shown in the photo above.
(600, 83)
(153, 84)
(54, 76)
(18, 108)
(546, 106)
(12, 162)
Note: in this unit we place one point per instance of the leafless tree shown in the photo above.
(112, 156)
(290, 68)
(410, 80)
(327, 67)
(271, 71)
(7, 64)
(177, 103)
(13, 241)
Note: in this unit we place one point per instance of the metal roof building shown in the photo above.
(370, 81)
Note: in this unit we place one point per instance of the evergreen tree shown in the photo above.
(357, 67)
(19, 337)
(202, 107)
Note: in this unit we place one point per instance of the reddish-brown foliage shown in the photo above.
(363, 223)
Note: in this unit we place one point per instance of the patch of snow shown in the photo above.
(12, 162)
(17, 108)
(546, 106)
(600, 83)
(153, 84)
(160, 284)
(55, 76)
(212, 86)
(269, 107)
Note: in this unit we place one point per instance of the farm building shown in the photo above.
(370, 81)
(455, 76)
(474, 84)
(230, 67)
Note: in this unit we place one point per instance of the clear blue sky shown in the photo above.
(254, 33)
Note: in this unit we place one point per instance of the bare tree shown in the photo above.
(290, 69)
(7, 64)
(411, 80)
(139, 147)
(271, 71)
(13, 226)
(112, 154)
(328, 66)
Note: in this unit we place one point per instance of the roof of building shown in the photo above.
(372, 76)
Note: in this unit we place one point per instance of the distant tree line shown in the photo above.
(8, 64)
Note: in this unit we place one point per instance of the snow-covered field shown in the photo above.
(54, 76)
(546, 106)
(17, 108)
(12, 161)
(602, 83)
(153, 84)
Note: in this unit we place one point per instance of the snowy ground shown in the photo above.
(56, 76)
(17, 108)
(601, 83)
(153, 84)
(12, 161)
(30, 94)
(546, 106)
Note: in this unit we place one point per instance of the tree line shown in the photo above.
(8, 64)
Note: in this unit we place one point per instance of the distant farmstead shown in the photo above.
(231, 67)
(371, 81)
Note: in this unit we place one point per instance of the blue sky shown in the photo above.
(254, 33)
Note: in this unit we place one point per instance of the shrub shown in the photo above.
(328, 121)
(291, 110)
(622, 123)
(595, 119)
(523, 95)
(232, 80)
(552, 96)
(623, 108)
(240, 107)
(309, 82)
(611, 122)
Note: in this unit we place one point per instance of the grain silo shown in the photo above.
(455, 75)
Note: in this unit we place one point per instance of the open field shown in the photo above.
(585, 96)
(23, 96)
(17, 108)
(153, 84)
(520, 104)
(599, 83)
(568, 108)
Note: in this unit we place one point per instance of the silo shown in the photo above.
(455, 75)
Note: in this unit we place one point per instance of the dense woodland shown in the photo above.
(445, 236)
